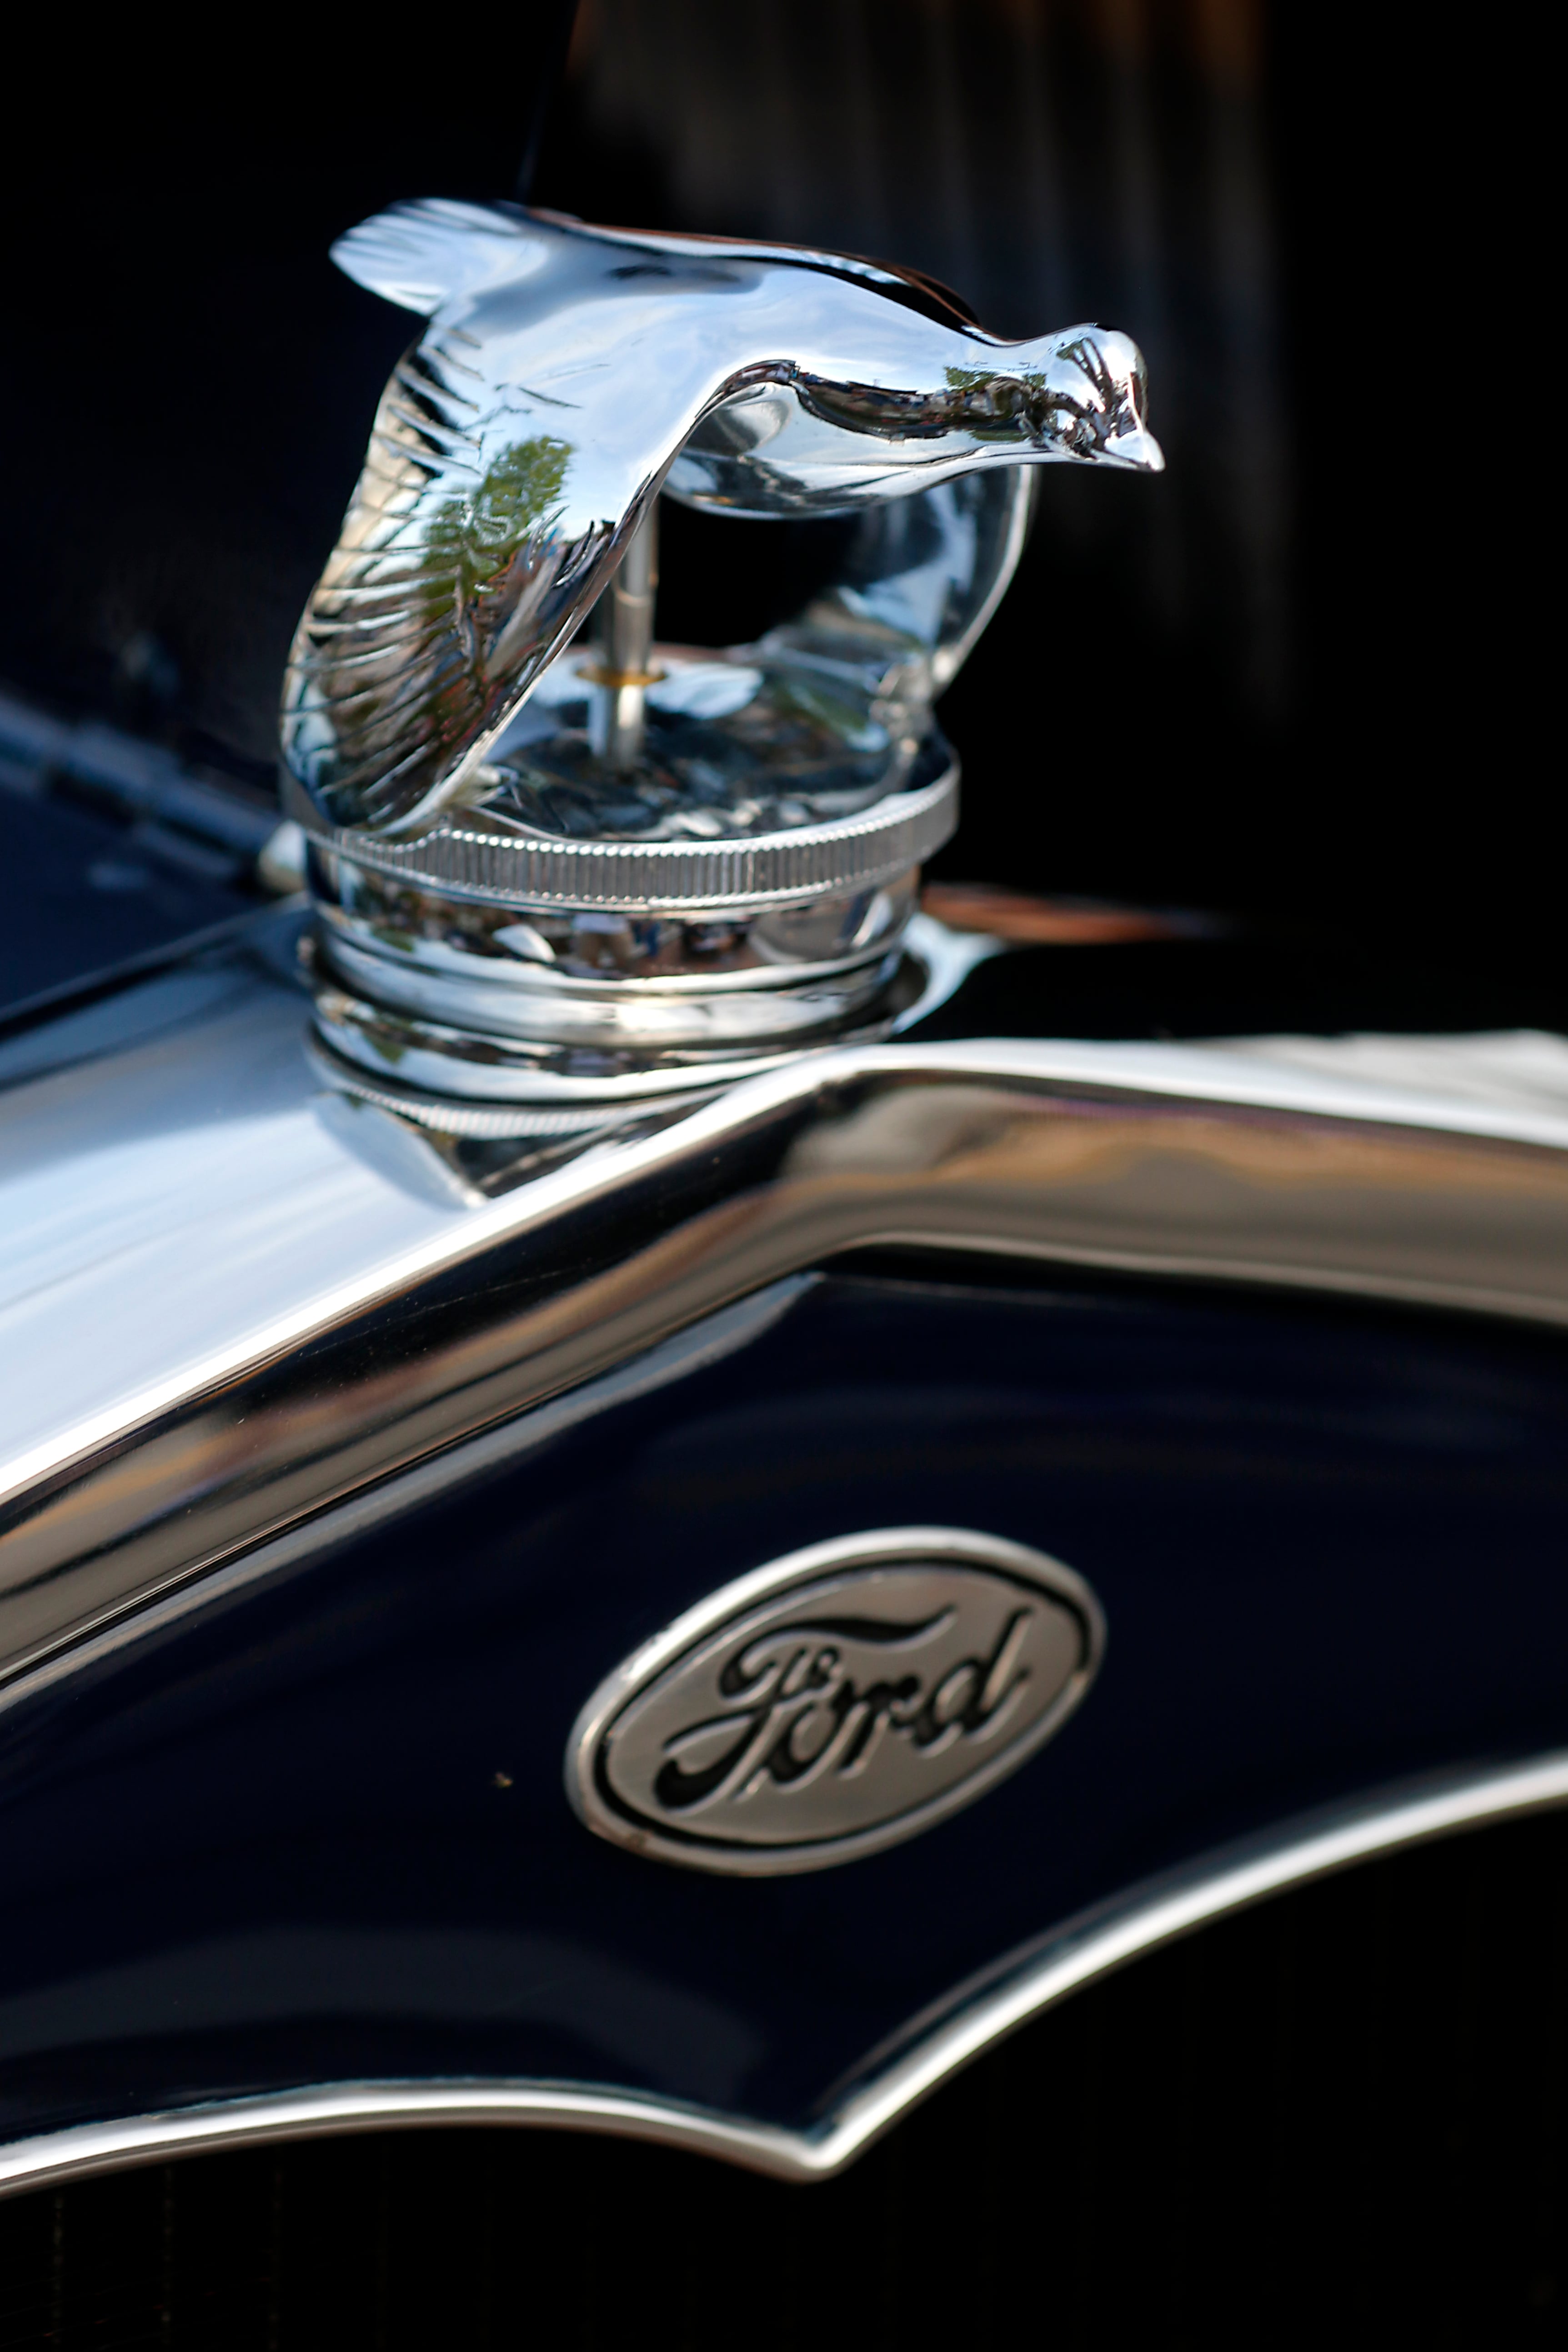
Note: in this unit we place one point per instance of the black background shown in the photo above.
(1342, 732)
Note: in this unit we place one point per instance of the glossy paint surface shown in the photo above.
(319, 1830)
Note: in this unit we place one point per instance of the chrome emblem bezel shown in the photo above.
(1056, 1611)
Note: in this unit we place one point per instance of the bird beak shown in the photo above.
(1139, 450)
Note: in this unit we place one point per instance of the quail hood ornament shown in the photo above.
(440, 743)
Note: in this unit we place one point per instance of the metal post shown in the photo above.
(621, 676)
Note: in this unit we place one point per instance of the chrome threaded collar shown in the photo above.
(730, 877)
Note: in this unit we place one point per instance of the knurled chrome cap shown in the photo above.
(743, 874)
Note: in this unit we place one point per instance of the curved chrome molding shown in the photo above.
(1074, 1955)
(375, 1310)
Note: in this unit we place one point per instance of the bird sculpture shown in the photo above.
(568, 375)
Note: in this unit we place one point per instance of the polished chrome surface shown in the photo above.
(566, 374)
(438, 735)
(594, 1068)
(935, 2049)
(596, 1010)
(578, 951)
(386, 1501)
(622, 675)
(805, 764)
(230, 1295)
(800, 764)
(672, 866)
(633, 1072)
(835, 1702)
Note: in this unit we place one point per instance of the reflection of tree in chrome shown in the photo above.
(481, 553)
(472, 541)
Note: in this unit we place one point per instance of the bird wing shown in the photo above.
(420, 255)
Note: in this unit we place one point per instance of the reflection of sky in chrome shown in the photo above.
(135, 1179)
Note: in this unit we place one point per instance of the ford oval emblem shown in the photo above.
(836, 1701)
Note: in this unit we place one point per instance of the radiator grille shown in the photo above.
(1341, 2117)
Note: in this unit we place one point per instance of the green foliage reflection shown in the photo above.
(470, 541)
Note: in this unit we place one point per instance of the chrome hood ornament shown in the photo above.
(565, 372)
(440, 744)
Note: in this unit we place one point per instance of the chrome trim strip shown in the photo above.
(690, 1350)
(299, 1297)
(1074, 1955)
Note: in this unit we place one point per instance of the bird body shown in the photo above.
(567, 374)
